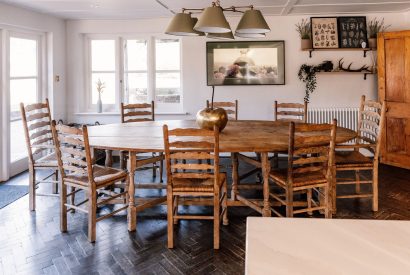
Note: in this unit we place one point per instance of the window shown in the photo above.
(24, 87)
(149, 70)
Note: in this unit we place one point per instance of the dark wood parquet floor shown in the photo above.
(31, 243)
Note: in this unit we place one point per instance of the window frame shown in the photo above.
(164, 108)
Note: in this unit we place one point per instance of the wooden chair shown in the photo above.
(371, 123)
(193, 179)
(139, 113)
(77, 170)
(40, 147)
(295, 112)
(310, 168)
(231, 108)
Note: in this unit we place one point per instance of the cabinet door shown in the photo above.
(394, 87)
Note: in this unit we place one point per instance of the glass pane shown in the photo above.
(168, 88)
(18, 149)
(23, 57)
(107, 88)
(167, 54)
(135, 55)
(136, 88)
(103, 55)
(21, 90)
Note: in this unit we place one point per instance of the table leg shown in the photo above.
(266, 212)
(108, 158)
(235, 176)
(132, 213)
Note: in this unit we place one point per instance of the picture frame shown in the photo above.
(352, 31)
(245, 63)
(324, 32)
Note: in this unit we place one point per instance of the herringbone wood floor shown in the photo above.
(31, 243)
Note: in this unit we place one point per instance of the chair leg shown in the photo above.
(225, 204)
(235, 175)
(289, 203)
(170, 217)
(72, 198)
(275, 160)
(32, 189)
(327, 201)
(63, 207)
(334, 192)
(154, 169)
(161, 170)
(217, 212)
(92, 214)
(375, 186)
(309, 200)
(123, 162)
(357, 174)
(55, 185)
(175, 209)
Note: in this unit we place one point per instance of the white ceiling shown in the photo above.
(134, 9)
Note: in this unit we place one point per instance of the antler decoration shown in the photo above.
(348, 69)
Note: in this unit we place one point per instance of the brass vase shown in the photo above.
(208, 117)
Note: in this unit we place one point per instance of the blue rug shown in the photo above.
(11, 193)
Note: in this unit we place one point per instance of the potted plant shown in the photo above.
(100, 88)
(305, 32)
(307, 74)
(375, 26)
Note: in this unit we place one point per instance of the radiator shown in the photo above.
(346, 117)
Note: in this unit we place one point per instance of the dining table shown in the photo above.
(239, 136)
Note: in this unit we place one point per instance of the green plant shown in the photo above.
(304, 29)
(307, 74)
(375, 26)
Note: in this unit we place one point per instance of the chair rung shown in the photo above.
(47, 195)
(276, 212)
(72, 193)
(355, 196)
(189, 217)
(354, 182)
(70, 206)
(309, 209)
(111, 198)
(112, 213)
(277, 198)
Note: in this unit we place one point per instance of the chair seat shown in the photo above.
(102, 176)
(352, 159)
(49, 160)
(196, 185)
(302, 179)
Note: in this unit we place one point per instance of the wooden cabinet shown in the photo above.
(394, 87)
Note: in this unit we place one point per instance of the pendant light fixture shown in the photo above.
(213, 22)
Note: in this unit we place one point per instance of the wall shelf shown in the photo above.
(343, 72)
(365, 50)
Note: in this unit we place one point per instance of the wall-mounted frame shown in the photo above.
(245, 63)
(352, 31)
(324, 32)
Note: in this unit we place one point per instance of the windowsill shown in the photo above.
(118, 114)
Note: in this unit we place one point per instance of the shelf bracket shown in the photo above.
(364, 54)
(365, 76)
(310, 53)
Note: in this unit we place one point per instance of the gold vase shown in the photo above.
(208, 117)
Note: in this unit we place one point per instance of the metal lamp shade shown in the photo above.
(250, 35)
(221, 36)
(252, 21)
(212, 20)
(182, 24)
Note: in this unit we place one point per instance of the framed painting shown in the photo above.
(245, 63)
(352, 32)
(324, 32)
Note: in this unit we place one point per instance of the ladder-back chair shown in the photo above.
(231, 108)
(77, 170)
(295, 112)
(194, 179)
(310, 168)
(371, 123)
(36, 120)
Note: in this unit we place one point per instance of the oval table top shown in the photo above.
(238, 136)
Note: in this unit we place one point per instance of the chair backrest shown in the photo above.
(36, 120)
(371, 123)
(137, 112)
(290, 111)
(73, 151)
(189, 145)
(311, 148)
(231, 108)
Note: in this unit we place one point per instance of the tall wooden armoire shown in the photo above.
(394, 87)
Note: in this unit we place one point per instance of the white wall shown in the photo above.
(255, 102)
(21, 19)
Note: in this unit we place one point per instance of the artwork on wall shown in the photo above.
(352, 31)
(245, 63)
(324, 32)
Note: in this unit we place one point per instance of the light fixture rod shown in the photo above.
(232, 8)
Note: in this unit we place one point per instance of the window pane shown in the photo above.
(136, 87)
(135, 55)
(108, 91)
(103, 55)
(23, 57)
(21, 90)
(168, 88)
(18, 149)
(167, 54)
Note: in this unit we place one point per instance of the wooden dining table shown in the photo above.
(239, 136)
